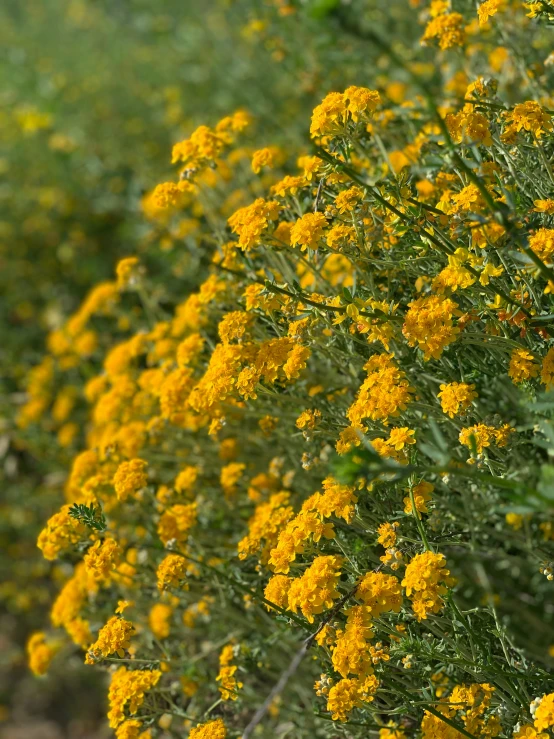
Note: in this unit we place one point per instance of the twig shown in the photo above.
(316, 203)
(293, 667)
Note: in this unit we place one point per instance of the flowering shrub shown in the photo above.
(328, 462)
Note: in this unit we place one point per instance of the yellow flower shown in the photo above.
(266, 157)
(102, 558)
(383, 394)
(316, 590)
(127, 690)
(489, 8)
(350, 693)
(113, 638)
(308, 230)
(310, 165)
(380, 593)
(547, 369)
(515, 520)
(483, 436)
(448, 29)
(175, 523)
(130, 477)
(171, 571)
(168, 195)
(422, 495)
(527, 731)
(544, 713)
(211, 730)
(542, 243)
(456, 397)
(347, 200)
(528, 116)
(229, 686)
(338, 108)
(277, 589)
(60, 533)
(159, 620)
(308, 419)
(387, 534)
(428, 325)
(522, 366)
(126, 271)
(544, 206)
(250, 222)
(185, 480)
(40, 653)
(426, 581)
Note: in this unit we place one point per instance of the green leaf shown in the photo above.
(545, 485)
(89, 515)
(437, 455)
(322, 8)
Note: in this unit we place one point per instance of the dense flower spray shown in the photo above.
(309, 407)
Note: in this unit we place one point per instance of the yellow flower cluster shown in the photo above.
(211, 730)
(482, 436)
(101, 558)
(428, 325)
(113, 638)
(316, 590)
(40, 653)
(60, 533)
(383, 394)
(228, 684)
(426, 581)
(456, 397)
(544, 713)
(171, 571)
(348, 694)
(304, 337)
(447, 29)
(340, 108)
(127, 691)
(250, 222)
(129, 478)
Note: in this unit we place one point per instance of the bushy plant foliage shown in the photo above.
(311, 487)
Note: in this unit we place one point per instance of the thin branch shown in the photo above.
(281, 684)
